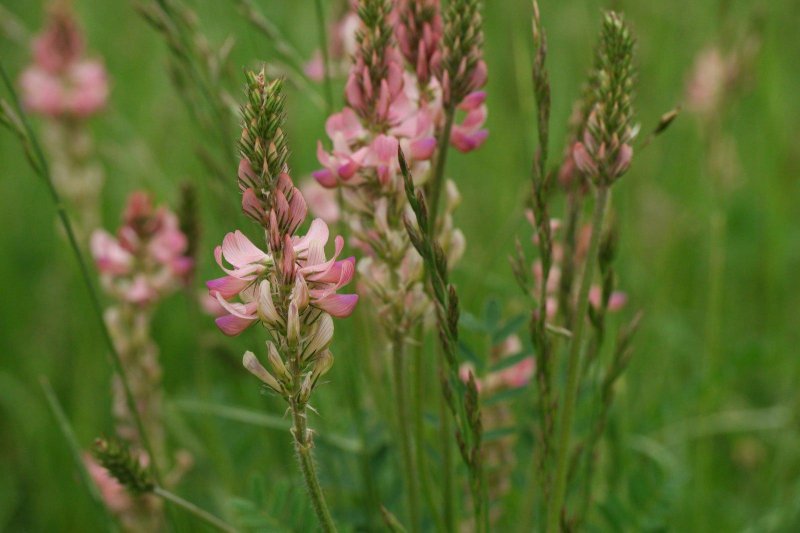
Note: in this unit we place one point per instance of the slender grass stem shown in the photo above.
(573, 366)
(403, 425)
(40, 166)
(438, 169)
(75, 449)
(445, 434)
(322, 32)
(303, 445)
(198, 512)
(419, 428)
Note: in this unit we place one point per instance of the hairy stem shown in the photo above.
(303, 445)
(573, 365)
(403, 424)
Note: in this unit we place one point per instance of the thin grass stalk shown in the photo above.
(573, 366)
(322, 33)
(39, 163)
(75, 449)
(419, 427)
(445, 433)
(194, 510)
(404, 425)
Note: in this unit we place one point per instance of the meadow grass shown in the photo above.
(697, 442)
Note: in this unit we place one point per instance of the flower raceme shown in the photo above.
(61, 82)
(254, 273)
(394, 96)
(147, 258)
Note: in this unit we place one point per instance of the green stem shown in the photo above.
(75, 449)
(445, 434)
(403, 425)
(303, 445)
(573, 365)
(40, 166)
(200, 513)
(438, 169)
(419, 427)
(326, 59)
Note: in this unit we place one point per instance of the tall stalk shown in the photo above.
(322, 33)
(404, 424)
(573, 365)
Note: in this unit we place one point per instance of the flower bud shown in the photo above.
(293, 325)
(320, 338)
(266, 308)
(300, 295)
(277, 364)
(322, 365)
(251, 363)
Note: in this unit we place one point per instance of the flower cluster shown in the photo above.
(394, 96)
(147, 259)
(292, 287)
(61, 82)
(397, 99)
(606, 152)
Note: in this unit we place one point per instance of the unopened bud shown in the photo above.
(251, 363)
(277, 364)
(300, 294)
(293, 325)
(266, 308)
(322, 365)
(321, 337)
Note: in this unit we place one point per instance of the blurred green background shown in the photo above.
(706, 442)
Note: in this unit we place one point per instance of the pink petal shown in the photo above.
(338, 305)
(239, 251)
(232, 325)
(227, 286)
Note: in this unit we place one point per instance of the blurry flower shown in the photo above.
(114, 495)
(321, 201)
(60, 82)
(146, 260)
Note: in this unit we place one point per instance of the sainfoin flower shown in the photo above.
(316, 279)
(61, 82)
(146, 259)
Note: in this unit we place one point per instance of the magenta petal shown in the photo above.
(325, 178)
(227, 286)
(338, 305)
(422, 149)
(233, 325)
